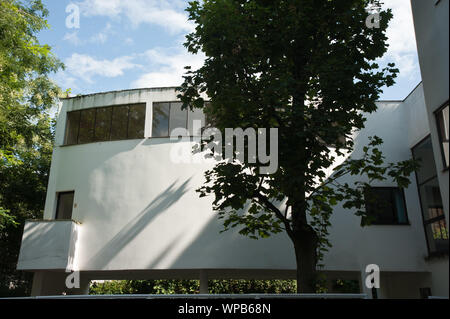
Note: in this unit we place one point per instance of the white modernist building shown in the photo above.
(119, 207)
(431, 25)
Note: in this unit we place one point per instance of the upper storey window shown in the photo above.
(105, 124)
(168, 116)
(430, 198)
(443, 124)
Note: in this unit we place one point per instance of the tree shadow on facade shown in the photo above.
(132, 229)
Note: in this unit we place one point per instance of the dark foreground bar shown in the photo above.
(226, 306)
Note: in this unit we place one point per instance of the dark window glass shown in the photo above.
(160, 125)
(443, 127)
(437, 235)
(119, 124)
(434, 218)
(65, 205)
(103, 124)
(430, 197)
(136, 122)
(385, 206)
(87, 121)
(424, 152)
(177, 117)
(199, 116)
(73, 123)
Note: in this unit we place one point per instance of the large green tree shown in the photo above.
(306, 67)
(26, 98)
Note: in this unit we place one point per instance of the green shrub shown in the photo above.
(191, 287)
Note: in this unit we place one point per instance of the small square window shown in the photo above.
(385, 206)
(65, 205)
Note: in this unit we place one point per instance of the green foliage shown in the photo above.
(346, 286)
(191, 287)
(145, 287)
(26, 92)
(26, 137)
(306, 67)
(230, 286)
(6, 219)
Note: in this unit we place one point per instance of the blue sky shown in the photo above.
(123, 44)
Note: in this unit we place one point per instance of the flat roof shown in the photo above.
(176, 87)
(162, 88)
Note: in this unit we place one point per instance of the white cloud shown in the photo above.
(167, 14)
(129, 41)
(85, 67)
(167, 68)
(65, 80)
(100, 37)
(73, 38)
(401, 39)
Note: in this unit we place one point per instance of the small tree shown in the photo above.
(26, 137)
(307, 68)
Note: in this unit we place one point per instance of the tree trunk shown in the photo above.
(305, 245)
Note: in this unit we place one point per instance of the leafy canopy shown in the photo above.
(26, 137)
(307, 68)
(26, 92)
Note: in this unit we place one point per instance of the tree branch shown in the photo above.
(265, 202)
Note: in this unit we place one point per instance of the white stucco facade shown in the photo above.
(431, 23)
(432, 33)
(139, 215)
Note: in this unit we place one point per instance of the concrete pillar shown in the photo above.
(203, 282)
(49, 283)
(362, 283)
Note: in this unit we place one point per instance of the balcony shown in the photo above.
(48, 244)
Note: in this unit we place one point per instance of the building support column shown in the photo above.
(203, 282)
(362, 283)
(52, 283)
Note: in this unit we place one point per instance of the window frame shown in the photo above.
(130, 106)
(426, 222)
(168, 125)
(66, 129)
(58, 202)
(437, 114)
(395, 217)
(79, 124)
(144, 104)
(110, 123)
(168, 117)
